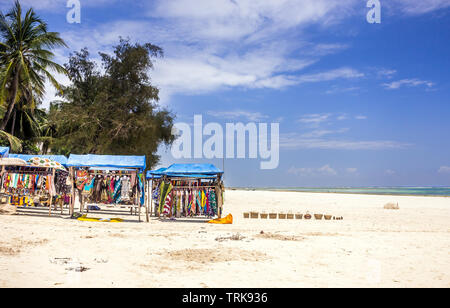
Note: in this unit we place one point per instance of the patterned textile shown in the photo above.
(45, 163)
(82, 178)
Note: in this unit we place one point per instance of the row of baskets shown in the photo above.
(256, 215)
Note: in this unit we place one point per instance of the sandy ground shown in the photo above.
(371, 247)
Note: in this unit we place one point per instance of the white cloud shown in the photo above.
(323, 132)
(408, 83)
(55, 5)
(444, 169)
(387, 73)
(326, 49)
(326, 170)
(211, 45)
(249, 20)
(345, 72)
(232, 115)
(314, 119)
(418, 7)
(352, 170)
(389, 172)
(296, 141)
(342, 117)
(336, 89)
(51, 92)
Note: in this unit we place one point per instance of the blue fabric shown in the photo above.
(107, 161)
(58, 158)
(186, 170)
(4, 151)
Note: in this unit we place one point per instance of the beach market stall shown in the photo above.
(33, 182)
(110, 180)
(185, 190)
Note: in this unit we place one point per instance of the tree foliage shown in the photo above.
(114, 110)
(25, 64)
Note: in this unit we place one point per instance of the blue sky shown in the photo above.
(358, 104)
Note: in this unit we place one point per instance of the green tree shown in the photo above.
(25, 59)
(115, 111)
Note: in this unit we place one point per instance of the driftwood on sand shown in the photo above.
(391, 206)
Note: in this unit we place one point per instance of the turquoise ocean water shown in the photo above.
(412, 191)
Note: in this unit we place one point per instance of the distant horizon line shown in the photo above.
(335, 187)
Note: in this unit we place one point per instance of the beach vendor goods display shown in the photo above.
(187, 190)
(34, 182)
(112, 188)
(186, 199)
(115, 180)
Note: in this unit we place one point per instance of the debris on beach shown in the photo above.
(391, 206)
(279, 237)
(100, 260)
(78, 269)
(233, 237)
(60, 261)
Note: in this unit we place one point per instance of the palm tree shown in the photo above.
(25, 58)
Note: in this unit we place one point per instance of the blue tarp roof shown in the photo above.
(4, 151)
(156, 173)
(187, 170)
(107, 161)
(58, 158)
(206, 169)
(110, 169)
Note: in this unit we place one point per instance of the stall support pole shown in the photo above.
(72, 199)
(146, 201)
(151, 199)
(138, 202)
(51, 196)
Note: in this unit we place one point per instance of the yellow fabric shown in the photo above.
(222, 221)
(85, 218)
(22, 201)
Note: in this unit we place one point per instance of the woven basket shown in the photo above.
(254, 215)
(328, 217)
(264, 216)
(307, 216)
(298, 216)
(246, 215)
(273, 216)
(281, 216)
(318, 216)
(290, 216)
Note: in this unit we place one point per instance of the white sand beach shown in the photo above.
(371, 247)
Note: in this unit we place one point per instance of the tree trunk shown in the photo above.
(14, 122)
(12, 101)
